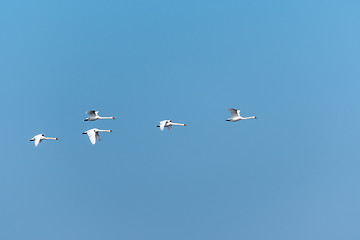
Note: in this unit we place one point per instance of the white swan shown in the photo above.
(93, 116)
(38, 139)
(168, 124)
(94, 134)
(235, 116)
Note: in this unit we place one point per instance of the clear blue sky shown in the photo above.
(291, 174)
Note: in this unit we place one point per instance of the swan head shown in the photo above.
(255, 117)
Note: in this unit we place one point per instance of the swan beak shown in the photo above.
(86, 120)
(84, 133)
(113, 118)
(184, 124)
(255, 118)
(110, 130)
(56, 139)
(227, 120)
(156, 126)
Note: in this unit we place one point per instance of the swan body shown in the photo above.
(169, 124)
(38, 139)
(93, 116)
(235, 116)
(94, 134)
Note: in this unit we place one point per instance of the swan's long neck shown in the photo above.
(252, 117)
(104, 131)
(106, 118)
(47, 138)
(178, 124)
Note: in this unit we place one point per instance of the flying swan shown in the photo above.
(38, 139)
(235, 116)
(94, 134)
(93, 116)
(168, 124)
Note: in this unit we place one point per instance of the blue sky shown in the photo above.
(290, 174)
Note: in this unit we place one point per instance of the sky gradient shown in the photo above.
(293, 173)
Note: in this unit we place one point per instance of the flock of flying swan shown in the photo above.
(94, 133)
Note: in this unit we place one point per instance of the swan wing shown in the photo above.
(92, 137)
(92, 113)
(97, 136)
(37, 140)
(234, 112)
(162, 125)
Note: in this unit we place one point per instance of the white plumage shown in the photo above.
(168, 123)
(38, 139)
(93, 116)
(235, 116)
(94, 135)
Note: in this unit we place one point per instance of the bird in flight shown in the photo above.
(94, 134)
(93, 116)
(38, 139)
(168, 124)
(235, 116)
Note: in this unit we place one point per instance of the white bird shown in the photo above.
(94, 134)
(168, 124)
(235, 116)
(93, 116)
(38, 139)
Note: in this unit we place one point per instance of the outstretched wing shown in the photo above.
(37, 140)
(234, 112)
(97, 136)
(162, 125)
(92, 113)
(92, 137)
(238, 113)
